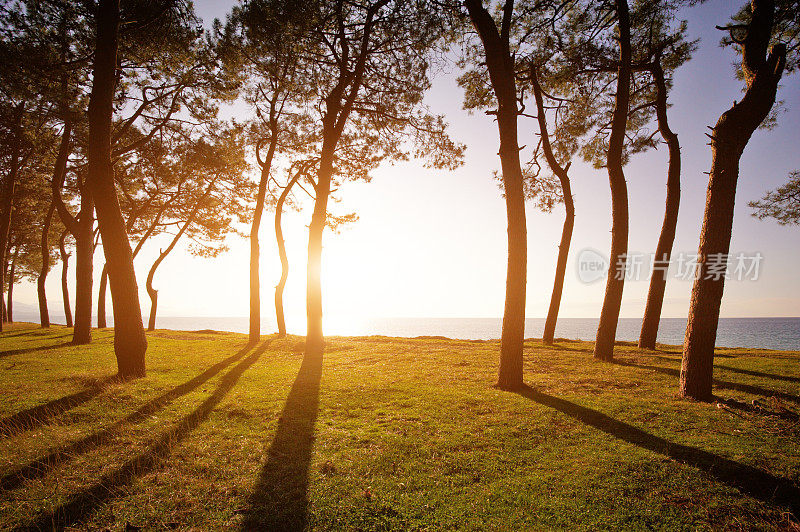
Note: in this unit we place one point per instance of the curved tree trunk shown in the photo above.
(151, 321)
(255, 248)
(44, 314)
(729, 139)
(9, 184)
(609, 315)
(153, 293)
(569, 208)
(11, 275)
(59, 173)
(130, 343)
(500, 64)
(658, 279)
(101, 299)
(255, 251)
(64, 279)
(561, 266)
(284, 258)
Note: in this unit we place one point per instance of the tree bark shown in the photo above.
(130, 343)
(64, 278)
(609, 315)
(101, 299)
(84, 271)
(81, 228)
(255, 248)
(315, 343)
(500, 64)
(44, 314)
(59, 173)
(729, 139)
(562, 172)
(282, 254)
(11, 275)
(658, 279)
(9, 184)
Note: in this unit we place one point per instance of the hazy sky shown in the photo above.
(433, 243)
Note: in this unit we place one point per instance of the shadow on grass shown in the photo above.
(112, 484)
(39, 467)
(754, 373)
(725, 385)
(747, 479)
(280, 497)
(42, 414)
(12, 352)
(34, 331)
(49, 337)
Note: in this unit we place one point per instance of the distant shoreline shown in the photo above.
(781, 333)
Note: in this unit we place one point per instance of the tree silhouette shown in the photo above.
(366, 66)
(761, 32)
(499, 59)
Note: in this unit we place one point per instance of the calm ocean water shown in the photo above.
(770, 333)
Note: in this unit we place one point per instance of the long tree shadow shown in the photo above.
(725, 385)
(111, 485)
(754, 373)
(280, 497)
(34, 331)
(747, 479)
(39, 467)
(42, 414)
(11, 352)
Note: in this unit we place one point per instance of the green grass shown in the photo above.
(389, 433)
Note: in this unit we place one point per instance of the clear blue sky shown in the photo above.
(433, 243)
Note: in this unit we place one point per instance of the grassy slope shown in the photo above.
(397, 433)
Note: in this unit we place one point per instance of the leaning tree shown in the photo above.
(204, 179)
(766, 35)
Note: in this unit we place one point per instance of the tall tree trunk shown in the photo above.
(11, 275)
(130, 343)
(561, 267)
(609, 315)
(101, 299)
(9, 184)
(64, 279)
(729, 139)
(500, 64)
(59, 174)
(658, 279)
(44, 314)
(282, 254)
(84, 271)
(255, 251)
(562, 172)
(315, 342)
(338, 105)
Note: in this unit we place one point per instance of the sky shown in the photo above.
(432, 243)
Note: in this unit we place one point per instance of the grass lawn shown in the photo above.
(389, 433)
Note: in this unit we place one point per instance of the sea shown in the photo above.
(768, 333)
